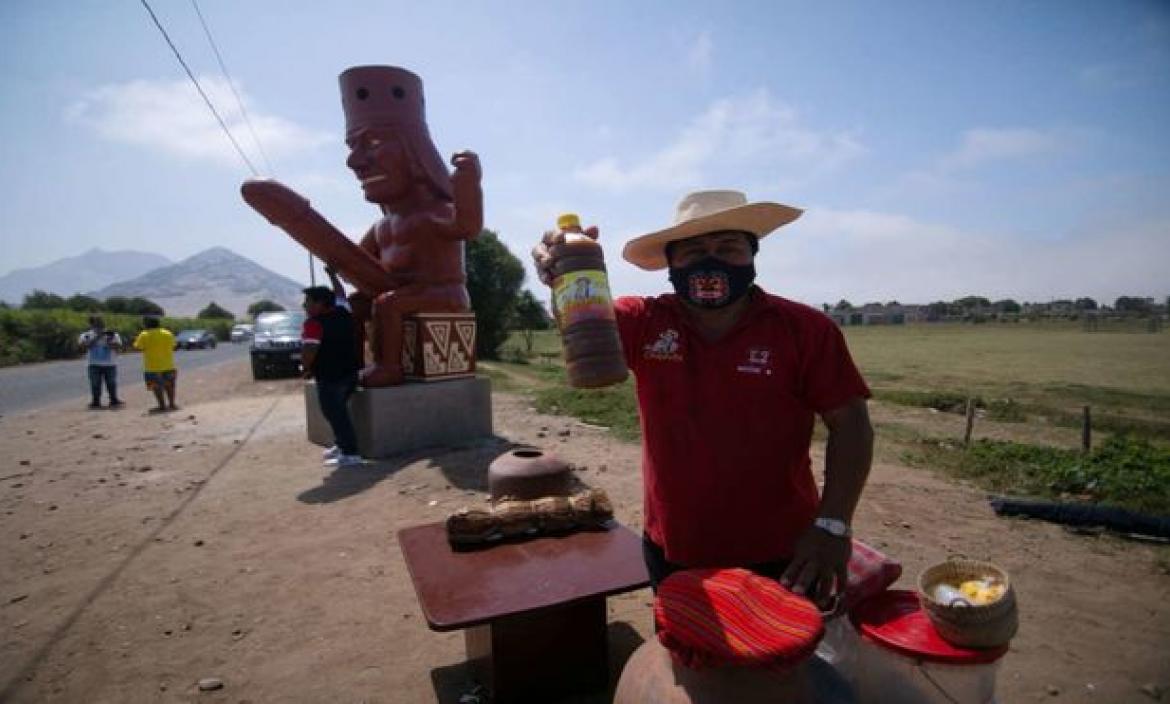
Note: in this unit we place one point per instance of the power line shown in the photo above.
(199, 88)
(232, 85)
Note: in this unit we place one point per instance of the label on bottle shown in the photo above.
(582, 295)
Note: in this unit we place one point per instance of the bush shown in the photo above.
(1124, 471)
(28, 336)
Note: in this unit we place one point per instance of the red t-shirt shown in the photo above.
(726, 426)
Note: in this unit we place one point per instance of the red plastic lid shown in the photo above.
(895, 620)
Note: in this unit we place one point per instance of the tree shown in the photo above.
(132, 306)
(843, 305)
(938, 309)
(530, 317)
(1007, 305)
(117, 304)
(530, 313)
(1085, 304)
(83, 304)
(145, 306)
(215, 311)
(1133, 304)
(973, 302)
(264, 306)
(494, 276)
(41, 300)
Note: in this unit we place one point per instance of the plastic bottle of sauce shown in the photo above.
(584, 310)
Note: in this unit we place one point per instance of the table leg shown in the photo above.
(547, 653)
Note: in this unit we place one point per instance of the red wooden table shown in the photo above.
(534, 610)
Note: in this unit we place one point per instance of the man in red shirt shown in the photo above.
(730, 380)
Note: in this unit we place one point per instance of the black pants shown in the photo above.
(659, 568)
(98, 373)
(333, 397)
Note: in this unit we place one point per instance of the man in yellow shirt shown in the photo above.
(158, 362)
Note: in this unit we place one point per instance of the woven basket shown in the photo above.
(988, 626)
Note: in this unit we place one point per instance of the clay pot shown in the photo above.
(527, 473)
(651, 676)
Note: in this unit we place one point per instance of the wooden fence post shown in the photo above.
(1087, 432)
(970, 421)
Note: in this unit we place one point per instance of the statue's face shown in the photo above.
(380, 164)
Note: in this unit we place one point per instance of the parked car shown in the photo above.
(195, 339)
(241, 332)
(276, 344)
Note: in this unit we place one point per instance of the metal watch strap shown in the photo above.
(834, 527)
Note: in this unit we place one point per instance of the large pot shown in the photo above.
(651, 676)
(527, 473)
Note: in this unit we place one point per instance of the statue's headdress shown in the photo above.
(388, 96)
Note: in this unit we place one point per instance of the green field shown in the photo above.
(1030, 383)
(1025, 373)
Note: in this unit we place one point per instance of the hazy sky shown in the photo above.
(939, 149)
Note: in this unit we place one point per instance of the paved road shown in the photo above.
(33, 386)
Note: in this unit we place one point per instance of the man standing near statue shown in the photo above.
(329, 355)
(411, 260)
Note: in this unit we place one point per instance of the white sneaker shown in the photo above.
(345, 461)
(331, 453)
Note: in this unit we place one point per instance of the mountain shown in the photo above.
(217, 274)
(85, 272)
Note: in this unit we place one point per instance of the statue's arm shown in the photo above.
(369, 244)
(467, 220)
(292, 213)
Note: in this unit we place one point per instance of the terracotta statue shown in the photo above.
(411, 260)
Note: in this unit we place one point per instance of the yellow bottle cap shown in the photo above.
(568, 220)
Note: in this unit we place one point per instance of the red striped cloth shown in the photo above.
(714, 617)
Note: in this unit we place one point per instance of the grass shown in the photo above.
(1023, 373)
(1026, 377)
(614, 407)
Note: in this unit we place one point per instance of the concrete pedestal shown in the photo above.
(397, 419)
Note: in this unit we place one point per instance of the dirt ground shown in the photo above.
(141, 554)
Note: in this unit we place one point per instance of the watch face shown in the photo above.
(833, 527)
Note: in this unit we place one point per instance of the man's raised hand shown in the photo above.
(545, 254)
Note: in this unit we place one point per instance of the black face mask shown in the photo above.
(712, 283)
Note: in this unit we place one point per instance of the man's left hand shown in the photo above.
(819, 567)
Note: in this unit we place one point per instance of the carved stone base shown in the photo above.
(397, 419)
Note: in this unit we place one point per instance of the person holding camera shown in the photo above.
(101, 347)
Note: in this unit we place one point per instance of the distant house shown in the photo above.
(879, 314)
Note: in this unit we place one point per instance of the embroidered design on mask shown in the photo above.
(709, 286)
(665, 348)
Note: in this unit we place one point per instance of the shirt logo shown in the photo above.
(759, 361)
(665, 348)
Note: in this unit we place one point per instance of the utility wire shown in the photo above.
(232, 85)
(199, 88)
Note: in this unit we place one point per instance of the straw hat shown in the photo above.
(703, 212)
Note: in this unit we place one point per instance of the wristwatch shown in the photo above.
(834, 527)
